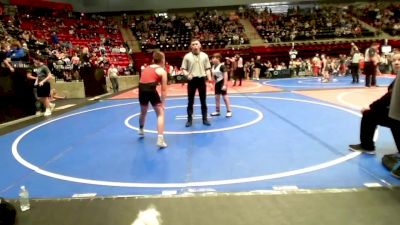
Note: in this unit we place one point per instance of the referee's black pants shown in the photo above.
(197, 83)
(354, 72)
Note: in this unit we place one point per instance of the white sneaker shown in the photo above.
(161, 142)
(141, 132)
(215, 114)
(38, 113)
(47, 113)
(229, 114)
(52, 106)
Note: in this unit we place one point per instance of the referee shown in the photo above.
(196, 66)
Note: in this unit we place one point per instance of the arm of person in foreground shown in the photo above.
(7, 63)
(384, 101)
(164, 84)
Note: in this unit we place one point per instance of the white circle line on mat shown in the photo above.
(309, 169)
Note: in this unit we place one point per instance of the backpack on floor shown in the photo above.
(388, 161)
(7, 213)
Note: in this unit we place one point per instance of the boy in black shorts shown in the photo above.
(42, 83)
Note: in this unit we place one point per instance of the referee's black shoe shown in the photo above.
(188, 123)
(206, 122)
(360, 148)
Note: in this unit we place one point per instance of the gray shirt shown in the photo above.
(42, 71)
(196, 64)
(394, 111)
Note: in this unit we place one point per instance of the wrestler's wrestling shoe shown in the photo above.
(161, 142)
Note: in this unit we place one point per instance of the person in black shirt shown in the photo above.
(378, 114)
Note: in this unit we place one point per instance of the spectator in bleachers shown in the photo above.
(176, 71)
(5, 47)
(54, 38)
(130, 69)
(115, 49)
(58, 65)
(76, 62)
(71, 31)
(102, 49)
(16, 52)
(122, 49)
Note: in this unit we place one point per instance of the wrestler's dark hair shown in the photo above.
(217, 56)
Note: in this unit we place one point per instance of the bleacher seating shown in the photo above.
(174, 33)
(91, 32)
(306, 24)
(382, 16)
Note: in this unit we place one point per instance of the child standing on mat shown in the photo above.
(221, 80)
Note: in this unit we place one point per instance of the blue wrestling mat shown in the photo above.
(273, 140)
(306, 83)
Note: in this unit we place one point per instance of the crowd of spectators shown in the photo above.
(65, 37)
(175, 32)
(299, 24)
(337, 65)
(383, 17)
(67, 41)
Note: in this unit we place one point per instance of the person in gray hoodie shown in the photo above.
(394, 109)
